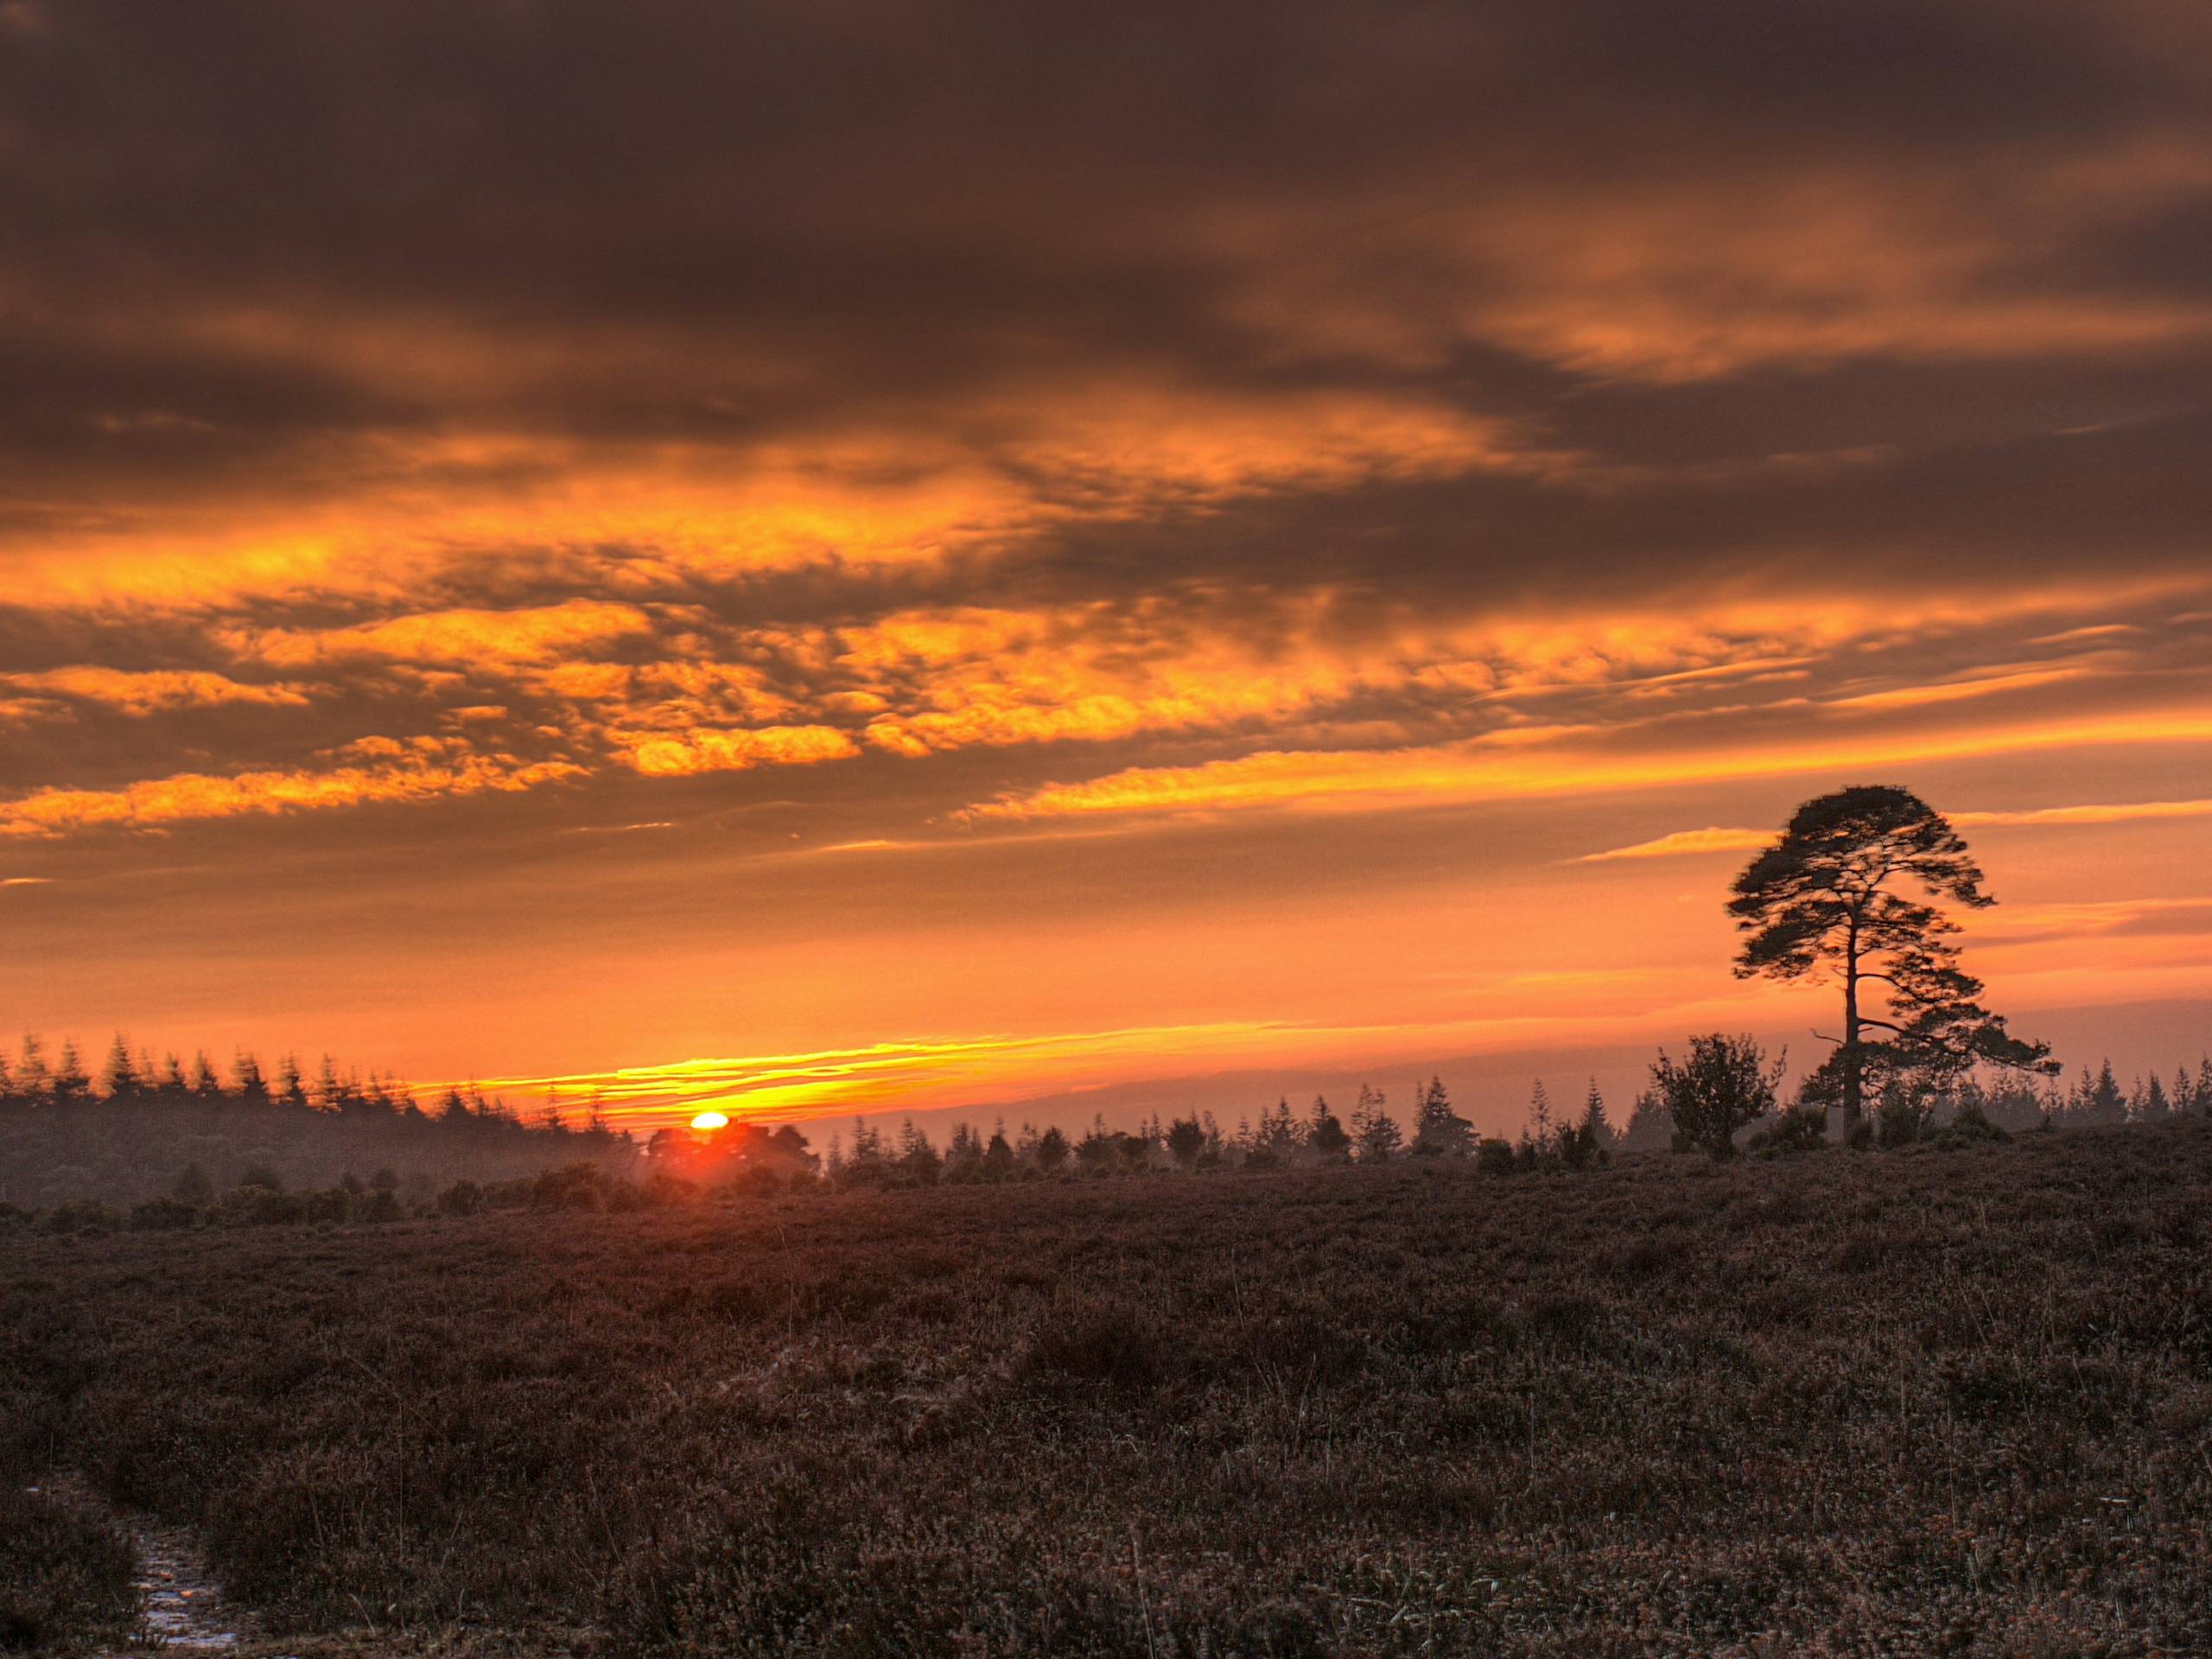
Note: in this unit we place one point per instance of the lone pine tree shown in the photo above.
(1834, 895)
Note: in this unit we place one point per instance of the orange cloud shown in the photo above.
(671, 754)
(405, 776)
(1477, 770)
(916, 1075)
(1961, 690)
(1685, 842)
(477, 638)
(954, 679)
(1689, 841)
(1118, 449)
(149, 691)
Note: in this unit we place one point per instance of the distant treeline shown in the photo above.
(171, 1147)
(1551, 1138)
(143, 1130)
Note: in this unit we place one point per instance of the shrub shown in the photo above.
(84, 1216)
(1971, 1124)
(1724, 1084)
(163, 1215)
(1802, 1127)
(382, 1204)
(1901, 1119)
(58, 1573)
(1494, 1156)
(255, 1205)
(669, 1191)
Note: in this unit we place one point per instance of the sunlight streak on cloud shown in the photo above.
(410, 776)
(1684, 843)
(1475, 771)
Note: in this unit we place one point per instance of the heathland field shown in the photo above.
(1947, 1400)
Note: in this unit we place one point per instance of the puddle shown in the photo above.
(184, 1612)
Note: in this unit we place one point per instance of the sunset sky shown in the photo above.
(839, 555)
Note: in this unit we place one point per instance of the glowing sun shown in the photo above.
(710, 1120)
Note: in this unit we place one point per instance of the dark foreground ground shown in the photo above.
(1936, 1401)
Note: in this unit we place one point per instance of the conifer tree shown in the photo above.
(1438, 1130)
(1540, 1132)
(119, 1080)
(1595, 1123)
(1052, 1150)
(1279, 1130)
(1828, 896)
(1325, 1135)
(31, 1066)
(70, 1084)
(1374, 1131)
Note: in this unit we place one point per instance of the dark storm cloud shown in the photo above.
(691, 388)
(908, 199)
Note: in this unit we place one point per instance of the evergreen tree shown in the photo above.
(1595, 1123)
(2104, 1104)
(1325, 1135)
(30, 1067)
(1540, 1133)
(1649, 1128)
(1591, 1139)
(119, 1080)
(1827, 896)
(1278, 1132)
(1437, 1130)
(1186, 1139)
(964, 1153)
(1097, 1149)
(70, 1085)
(916, 1157)
(2154, 1107)
(1051, 1150)
(1374, 1133)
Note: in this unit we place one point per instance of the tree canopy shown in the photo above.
(1858, 885)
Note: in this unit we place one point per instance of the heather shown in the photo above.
(1947, 1398)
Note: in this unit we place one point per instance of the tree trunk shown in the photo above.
(1853, 1083)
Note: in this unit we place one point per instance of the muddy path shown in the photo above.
(181, 1608)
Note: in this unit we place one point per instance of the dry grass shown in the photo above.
(1936, 1401)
